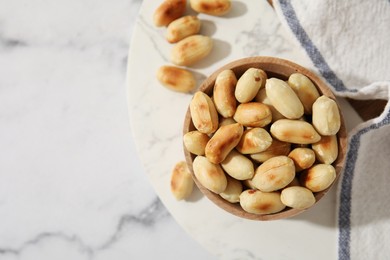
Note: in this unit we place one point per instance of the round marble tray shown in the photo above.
(157, 115)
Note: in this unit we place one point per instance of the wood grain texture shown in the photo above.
(274, 67)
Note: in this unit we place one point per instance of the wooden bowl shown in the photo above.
(282, 69)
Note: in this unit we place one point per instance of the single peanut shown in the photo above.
(226, 121)
(195, 142)
(249, 84)
(277, 148)
(319, 177)
(203, 113)
(262, 98)
(254, 140)
(223, 93)
(210, 175)
(326, 116)
(274, 174)
(181, 181)
(191, 49)
(305, 90)
(211, 7)
(326, 150)
(176, 79)
(294, 131)
(303, 158)
(283, 98)
(232, 191)
(223, 141)
(297, 197)
(238, 166)
(182, 28)
(168, 11)
(253, 114)
(258, 202)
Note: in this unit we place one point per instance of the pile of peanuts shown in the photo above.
(183, 31)
(265, 143)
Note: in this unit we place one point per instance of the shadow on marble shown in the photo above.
(208, 28)
(196, 195)
(221, 50)
(238, 9)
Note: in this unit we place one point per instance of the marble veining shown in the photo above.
(71, 184)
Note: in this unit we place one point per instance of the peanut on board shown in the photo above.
(168, 11)
(211, 7)
(176, 79)
(182, 27)
(191, 50)
(181, 181)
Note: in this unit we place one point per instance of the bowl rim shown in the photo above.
(272, 66)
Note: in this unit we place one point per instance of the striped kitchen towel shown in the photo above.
(348, 43)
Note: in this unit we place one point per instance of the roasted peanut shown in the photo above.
(248, 183)
(223, 141)
(254, 140)
(223, 93)
(195, 142)
(182, 27)
(258, 202)
(203, 113)
(249, 84)
(238, 166)
(262, 98)
(191, 49)
(181, 181)
(326, 150)
(210, 175)
(211, 7)
(294, 131)
(303, 158)
(226, 121)
(283, 98)
(253, 114)
(232, 191)
(168, 11)
(277, 148)
(305, 90)
(319, 177)
(326, 116)
(274, 174)
(297, 197)
(176, 79)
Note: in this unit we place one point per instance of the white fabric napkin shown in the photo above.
(348, 43)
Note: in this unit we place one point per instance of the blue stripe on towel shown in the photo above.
(346, 187)
(314, 54)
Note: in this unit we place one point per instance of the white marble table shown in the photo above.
(71, 183)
